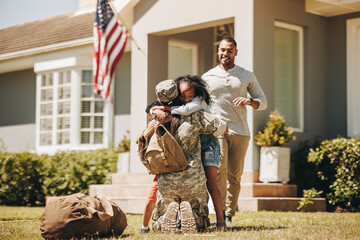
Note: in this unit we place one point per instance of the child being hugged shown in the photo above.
(195, 97)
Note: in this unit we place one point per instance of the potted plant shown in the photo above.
(274, 157)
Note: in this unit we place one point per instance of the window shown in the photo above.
(70, 115)
(289, 73)
(92, 112)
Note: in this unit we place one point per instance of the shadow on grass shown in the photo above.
(246, 228)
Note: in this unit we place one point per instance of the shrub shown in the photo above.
(308, 195)
(276, 133)
(338, 166)
(27, 178)
(21, 180)
(69, 172)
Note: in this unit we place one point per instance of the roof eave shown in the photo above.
(47, 48)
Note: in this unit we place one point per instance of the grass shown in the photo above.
(24, 223)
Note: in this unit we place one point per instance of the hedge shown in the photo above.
(337, 163)
(27, 178)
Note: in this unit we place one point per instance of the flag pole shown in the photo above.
(123, 23)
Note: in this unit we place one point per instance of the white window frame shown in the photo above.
(195, 52)
(353, 76)
(300, 30)
(73, 65)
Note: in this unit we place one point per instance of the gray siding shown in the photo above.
(315, 65)
(122, 98)
(17, 97)
(17, 110)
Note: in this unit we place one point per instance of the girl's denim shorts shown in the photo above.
(210, 150)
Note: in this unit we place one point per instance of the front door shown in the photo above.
(183, 59)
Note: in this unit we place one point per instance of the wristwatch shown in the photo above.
(251, 100)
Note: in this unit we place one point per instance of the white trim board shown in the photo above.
(300, 30)
(353, 76)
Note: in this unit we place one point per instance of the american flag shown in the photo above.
(109, 44)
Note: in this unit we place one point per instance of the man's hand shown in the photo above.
(241, 101)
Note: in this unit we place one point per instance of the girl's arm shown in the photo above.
(191, 107)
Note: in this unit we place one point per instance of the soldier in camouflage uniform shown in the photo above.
(190, 184)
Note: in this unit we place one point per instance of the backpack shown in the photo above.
(78, 215)
(159, 151)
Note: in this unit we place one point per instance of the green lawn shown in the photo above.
(24, 223)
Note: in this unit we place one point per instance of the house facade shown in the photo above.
(305, 54)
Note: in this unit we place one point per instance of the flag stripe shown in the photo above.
(110, 39)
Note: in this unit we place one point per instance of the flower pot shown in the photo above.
(274, 164)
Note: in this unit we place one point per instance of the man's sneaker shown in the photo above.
(228, 221)
(170, 219)
(144, 230)
(188, 224)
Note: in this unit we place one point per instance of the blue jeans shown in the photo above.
(210, 150)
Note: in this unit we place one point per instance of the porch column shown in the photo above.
(147, 69)
(244, 36)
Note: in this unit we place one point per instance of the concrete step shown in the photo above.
(132, 178)
(268, 190)
(132, 205)
(120, 190)
(279, 204)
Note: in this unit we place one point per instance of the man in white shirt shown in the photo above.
(229, 85)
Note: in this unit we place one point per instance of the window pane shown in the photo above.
(60, 93)
(98, 137)
(98, 122)
(66, 137)
(68, 77)
(85, 137)
(287, 82)
(99, 106)
(63, 122)
(49, 79)
(46, 124)
(63, 138)
(86, 91)
(61, 78)
(46, 109)
(47, 94)
(85, 122)
(87, 76)
(59, 123)
(67, 107)
(85, 106)
(59, 138)
(45, 139)
(60, 107)
(43, 80)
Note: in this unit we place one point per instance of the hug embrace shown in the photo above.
(204, 115)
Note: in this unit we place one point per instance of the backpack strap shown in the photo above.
(163, 157)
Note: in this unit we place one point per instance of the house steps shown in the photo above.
(130, 190)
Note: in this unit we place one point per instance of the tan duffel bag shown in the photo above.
(78, 215)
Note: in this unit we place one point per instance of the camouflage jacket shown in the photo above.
(187, 135)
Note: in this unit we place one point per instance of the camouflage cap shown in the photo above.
(166, 91)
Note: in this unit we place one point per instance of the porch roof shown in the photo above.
(54, 30)
(330, 8)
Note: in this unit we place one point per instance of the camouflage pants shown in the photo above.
(196, 195)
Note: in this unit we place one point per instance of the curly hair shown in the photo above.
(199, 85)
